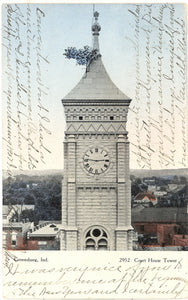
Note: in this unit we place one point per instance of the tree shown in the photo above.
(27, 214)
(29, 199)
(183, 180)
(83, 56)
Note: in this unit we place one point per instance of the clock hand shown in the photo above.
(96, 159)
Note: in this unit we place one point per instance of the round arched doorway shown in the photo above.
(96, 238)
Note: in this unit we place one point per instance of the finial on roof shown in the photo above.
(96, 28)
(96, 14)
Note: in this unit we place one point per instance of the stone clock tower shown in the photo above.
(96, 191)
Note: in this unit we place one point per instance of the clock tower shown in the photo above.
(96, 190)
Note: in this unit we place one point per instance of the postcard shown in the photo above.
(94, 150)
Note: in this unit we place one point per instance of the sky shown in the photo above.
(38, 120)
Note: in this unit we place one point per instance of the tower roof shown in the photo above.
(96, 83)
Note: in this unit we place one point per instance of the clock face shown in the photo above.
(96, 161)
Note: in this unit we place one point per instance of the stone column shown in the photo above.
(123, 196)
(128, 185)
(71, 180)
(121, 175)
(62, 239)
(64, 189)
(71, 230)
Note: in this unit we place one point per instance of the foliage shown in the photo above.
(83, 56)
(28, 214)
(42, 191)
(45, 193)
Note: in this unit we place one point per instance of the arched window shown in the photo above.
(96, 239)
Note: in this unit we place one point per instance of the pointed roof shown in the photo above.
(142, 195)
(96, 83)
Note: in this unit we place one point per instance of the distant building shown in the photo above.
(31, 185)
(145, 198)
(45, 236)
(26, 236)
(14, 232)
(15, 235)
(164, 225)
(180, 240)
(160, 193)
(152, 188)
(149, 181)
(9, 211)
(172, 186)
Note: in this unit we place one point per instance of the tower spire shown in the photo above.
(95, 29)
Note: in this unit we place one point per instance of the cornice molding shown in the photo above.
(106, 102)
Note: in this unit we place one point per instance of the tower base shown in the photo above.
(69, 239)
(124, 238)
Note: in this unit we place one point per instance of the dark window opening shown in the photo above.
(80, 118)
(96, 232)
(96, 239)
(90, 244)
(142, 227)
(88, 234)
(111, 117)
(52, 225)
